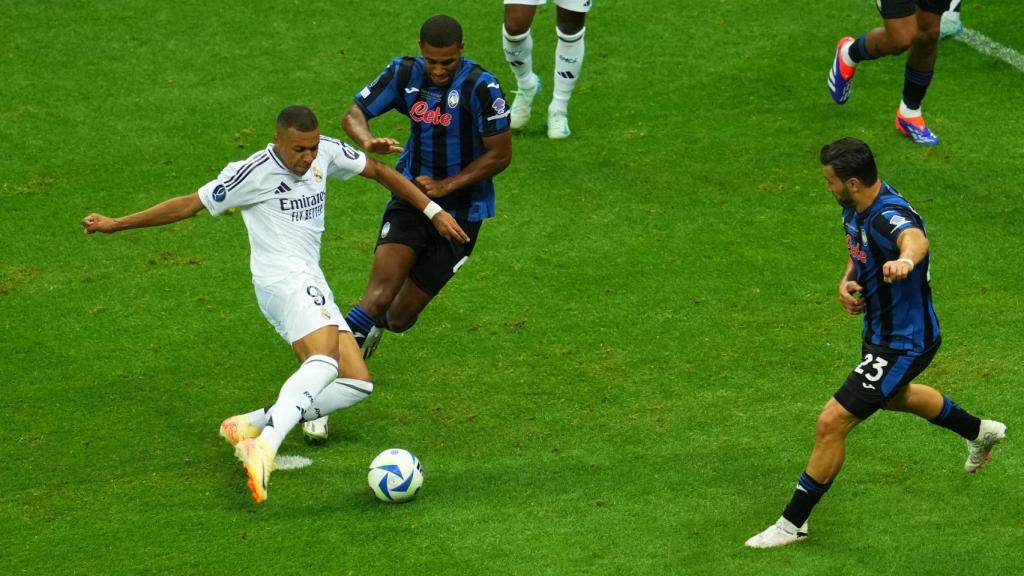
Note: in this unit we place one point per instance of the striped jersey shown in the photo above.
(900, 315)
(447, 125)
(283, 213)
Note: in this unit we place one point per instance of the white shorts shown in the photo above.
(571, 5)
(299, 305)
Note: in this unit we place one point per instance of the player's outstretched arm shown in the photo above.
(166, 212)
(913, 245)
(497, 157)
(390, 178)
(358, 129)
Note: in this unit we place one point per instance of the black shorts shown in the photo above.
(880, 375)
(892, 9)
(437, 258)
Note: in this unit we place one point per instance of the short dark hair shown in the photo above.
(299, 117)
(441, 31)
(850, 158)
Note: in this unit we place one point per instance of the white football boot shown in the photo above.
(558, 124)
(779, 534)
(989, 434)
(522, 105)
(315, 431)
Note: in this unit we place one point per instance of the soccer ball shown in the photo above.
(395, 475)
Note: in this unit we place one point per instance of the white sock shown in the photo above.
(259, 417)
(844, 53)
(908, 112)
(568, 61)
(297, 395)
(341, 393)
(519, 55)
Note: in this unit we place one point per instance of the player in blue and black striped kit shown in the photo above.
(887, 280)
(459, 140)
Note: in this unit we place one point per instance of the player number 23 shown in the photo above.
(878, 367)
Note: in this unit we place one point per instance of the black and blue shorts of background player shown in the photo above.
(882, 373)
(437, 258)
(892, 9)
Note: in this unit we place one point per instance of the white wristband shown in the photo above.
(908, 261)
(431, 210)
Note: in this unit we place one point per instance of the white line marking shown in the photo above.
(291, 462)
(988, 46)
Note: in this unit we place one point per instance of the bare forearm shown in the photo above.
(849, 273)
(486, 166)
(356, 126)
(166, 212)
(913, 246)
(401, 186)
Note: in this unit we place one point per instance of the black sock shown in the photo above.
(958, 420)
(915, 84)
(805, 497)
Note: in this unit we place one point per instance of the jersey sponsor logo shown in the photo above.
(304, 208)
(220, 193)
(453, 99)
(855, 250)
(499, 106)
(421, 112)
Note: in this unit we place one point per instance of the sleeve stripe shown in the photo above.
(244, 173)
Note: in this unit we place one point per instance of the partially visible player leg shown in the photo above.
(391, 264)
(834, 424)
(569, 52)
(518, 47)
(352, 386)
(894, 38)
(917, 76)
(930, 404)
(318, 351)
(952, 25)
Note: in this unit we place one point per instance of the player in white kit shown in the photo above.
(281, 194)
(517, 42)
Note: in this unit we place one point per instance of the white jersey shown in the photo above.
(283, 213)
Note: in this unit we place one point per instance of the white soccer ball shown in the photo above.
(395, 475)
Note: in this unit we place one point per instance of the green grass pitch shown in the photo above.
(623, 380)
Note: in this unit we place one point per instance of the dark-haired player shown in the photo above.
(911, 26)
(281, 192)
(458, 141)
(886, 279)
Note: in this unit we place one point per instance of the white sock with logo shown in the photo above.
(297, 396)
(568, 61)
(519, 55)
(341, 393)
